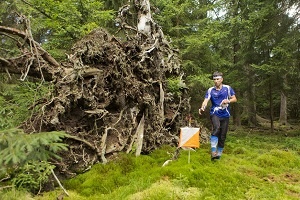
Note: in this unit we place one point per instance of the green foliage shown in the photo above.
(15, 99)
(24, 157)
(70, 19)
(15, 194)
(175, 85)
(277, 158)
(203, 81)
(7, 18)
(179, 17)
(32, 175)
(166, 190)
(58, 24)
(255, 165)
(121, 173)
(247, 41)
(18, 148)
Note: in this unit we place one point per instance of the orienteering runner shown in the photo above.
(221, 96)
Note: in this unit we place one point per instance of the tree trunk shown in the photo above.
(283, 104)
(144, 17)
(271, 104)
(250, 99)
(236, 113)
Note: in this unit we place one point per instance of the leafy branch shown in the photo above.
(24, 156)
(16, 147)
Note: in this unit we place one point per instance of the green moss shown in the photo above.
(278, 158)
(253, 166)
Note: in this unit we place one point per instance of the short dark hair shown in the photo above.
(215, 74)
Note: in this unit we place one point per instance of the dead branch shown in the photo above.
(5, 187)
(140, 136)
(4, 62)
(59, 183)
(29, 41)
(83, 141)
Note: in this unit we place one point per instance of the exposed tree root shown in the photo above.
(111, 95)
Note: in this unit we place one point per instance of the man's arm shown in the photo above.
(203, 106)
(231, 100)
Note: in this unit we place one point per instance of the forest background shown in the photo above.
(256, 44)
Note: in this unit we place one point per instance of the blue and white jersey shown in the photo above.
(216, 97)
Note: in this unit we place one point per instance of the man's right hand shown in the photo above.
(200, 111)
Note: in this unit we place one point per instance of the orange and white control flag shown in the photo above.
(189, 137)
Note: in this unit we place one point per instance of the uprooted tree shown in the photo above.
(111, 95)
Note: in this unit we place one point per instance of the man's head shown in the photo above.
(218, 78)
(217, 75)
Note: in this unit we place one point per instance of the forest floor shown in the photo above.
(255, 165)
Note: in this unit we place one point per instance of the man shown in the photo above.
(221, 96)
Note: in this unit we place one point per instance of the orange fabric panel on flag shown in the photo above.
(189, 137)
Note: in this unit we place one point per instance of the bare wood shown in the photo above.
(140, 136)
(176, 113)
(4, 61)
(145, 18)
(23, 35)
(60, 185)
(5, 187)
(161, 102)
(5, 178)
(90, 72)
(82, 140)
(103, 145)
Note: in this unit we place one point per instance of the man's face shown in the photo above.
(218, 81)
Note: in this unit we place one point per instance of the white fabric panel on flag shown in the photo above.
(187, 133)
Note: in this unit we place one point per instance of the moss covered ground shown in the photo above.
(255, 165)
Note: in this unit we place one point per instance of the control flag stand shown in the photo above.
(189, 139)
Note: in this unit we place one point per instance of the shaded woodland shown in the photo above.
(111, 94)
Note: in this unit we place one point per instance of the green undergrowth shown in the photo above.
(255, 165)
